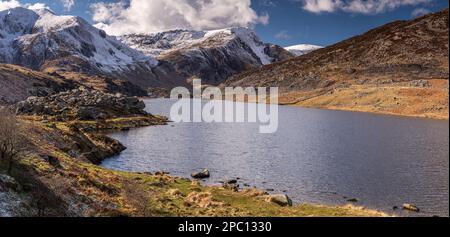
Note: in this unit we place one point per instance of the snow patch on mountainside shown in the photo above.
(302, 49)
(48, 21)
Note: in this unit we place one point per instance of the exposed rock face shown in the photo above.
(213, 56)
(82, 104)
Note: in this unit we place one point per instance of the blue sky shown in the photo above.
(284, 22)
(327, 28)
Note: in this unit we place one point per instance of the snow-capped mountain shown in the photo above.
(38, 38)
(302, 49)
(156, 44)
(69, 45)
(213, 56)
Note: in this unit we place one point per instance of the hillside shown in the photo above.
(399, 68)
(18, 83)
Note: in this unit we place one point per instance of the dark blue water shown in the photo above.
(317, 156)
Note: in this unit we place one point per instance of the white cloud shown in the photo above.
(68, 4)
(37, 6)
(420, 12)
(357, 6)
(14, 3)
(9, 4)
(143, 16)
(318, 6)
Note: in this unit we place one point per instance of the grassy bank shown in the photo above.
(398, 99)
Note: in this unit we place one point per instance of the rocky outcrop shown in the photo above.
(81, 104)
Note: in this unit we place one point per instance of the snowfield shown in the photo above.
(302, 49)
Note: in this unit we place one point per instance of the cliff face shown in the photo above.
(407, 60)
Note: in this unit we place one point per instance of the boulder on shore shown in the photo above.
(279, 199)
(410, 207)
(352, 200)
(201, 175)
